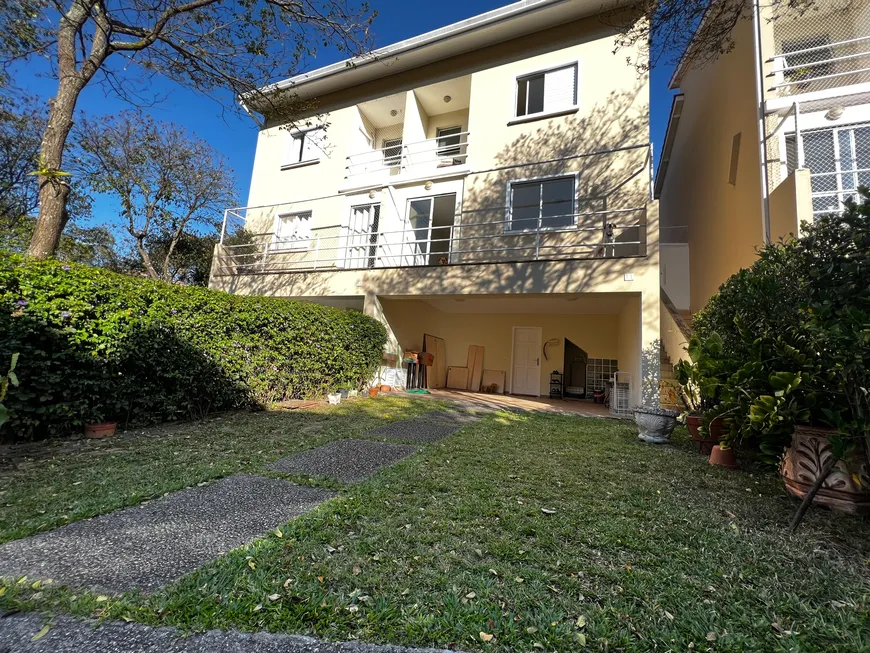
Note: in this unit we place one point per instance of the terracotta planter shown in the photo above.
(101, 430)
(385, 388)
(373, 392)
(704, 444)
(723, 457)
(807, 455)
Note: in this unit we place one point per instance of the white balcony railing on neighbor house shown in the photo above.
(820, 66)
(605, 219)
(838, 157)
(409, 159)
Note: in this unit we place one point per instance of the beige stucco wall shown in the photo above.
(614, 111)
(409, 319)
(724, 221)
(790, 204)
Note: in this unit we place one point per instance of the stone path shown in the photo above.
(347, 461)
(68, 635)
(147, 546)
(419, 431)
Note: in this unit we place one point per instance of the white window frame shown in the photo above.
(508, 219)
(293, 244)
(515, 119)
(394, 161)
(300, 135)
(441, 150)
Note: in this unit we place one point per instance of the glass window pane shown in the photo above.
(420, 218)
(862, 154)
(847, 158)
(557, 208)
(522, 87)
(536, 94)
(819, 158)
(525, 206)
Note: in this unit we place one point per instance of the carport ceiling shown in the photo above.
(585, 304)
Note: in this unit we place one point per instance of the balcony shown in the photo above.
(447, 153)
(585, 206)
(819, 53)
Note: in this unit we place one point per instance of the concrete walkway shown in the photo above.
(147, 546)
(69, 635)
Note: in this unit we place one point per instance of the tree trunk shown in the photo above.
(808, 499)
(53, 190)
(146, 259)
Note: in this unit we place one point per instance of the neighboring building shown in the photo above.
(768, 135)
(487, 183)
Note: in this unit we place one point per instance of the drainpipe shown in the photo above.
(762, 129)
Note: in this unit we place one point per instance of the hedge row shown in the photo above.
(95, 345)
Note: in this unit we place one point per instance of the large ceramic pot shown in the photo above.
(654, 424)
(704, 444)
(803, 461)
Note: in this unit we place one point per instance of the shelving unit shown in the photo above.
(555, 385)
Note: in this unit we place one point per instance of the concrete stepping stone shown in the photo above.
(69, 635)
(147, 546)
(414, 430)
(451, 417)
(347, 461)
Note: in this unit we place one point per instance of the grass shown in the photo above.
(545, 532)
(68, 481)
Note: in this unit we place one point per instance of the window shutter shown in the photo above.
(560, 88)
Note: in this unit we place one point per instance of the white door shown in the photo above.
(526, 373)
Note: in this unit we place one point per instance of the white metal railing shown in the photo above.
(420, 156)
(820, 67)
(619, 233)
(838, 157)
(606, 219)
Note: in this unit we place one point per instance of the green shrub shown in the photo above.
(795, 335)
(96, 345)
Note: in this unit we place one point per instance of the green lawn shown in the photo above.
(546, 532)
(69, 481)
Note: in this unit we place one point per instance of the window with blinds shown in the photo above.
(292, 232)
(547, 92)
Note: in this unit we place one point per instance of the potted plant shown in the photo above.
(699, 390)
(655, 424)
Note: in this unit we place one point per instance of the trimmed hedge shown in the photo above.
(96, 345)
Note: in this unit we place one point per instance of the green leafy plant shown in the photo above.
(796, 333)
(97, 346)
(700, 378)
(5, 381)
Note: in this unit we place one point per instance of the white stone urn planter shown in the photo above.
(654, 424)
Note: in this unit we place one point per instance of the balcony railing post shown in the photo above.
(538, 237)
(224, 226)
(797, 135)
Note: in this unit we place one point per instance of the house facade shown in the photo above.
(488, 183)
(773, 133)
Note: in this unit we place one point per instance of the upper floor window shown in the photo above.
(547, 91)
(392, 152)
(293, 232)
(449, 139)
(305, 146)
(542, 204)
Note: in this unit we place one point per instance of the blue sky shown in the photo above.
(235, 135)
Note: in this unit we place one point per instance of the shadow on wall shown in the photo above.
(616, 183)
(651, 374)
